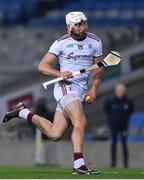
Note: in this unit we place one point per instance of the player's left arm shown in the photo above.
(97, 74)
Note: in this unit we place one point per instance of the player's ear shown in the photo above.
(69, 28)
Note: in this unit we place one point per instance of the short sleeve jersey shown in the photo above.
(75, 55)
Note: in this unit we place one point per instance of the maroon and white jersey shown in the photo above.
(75, 55)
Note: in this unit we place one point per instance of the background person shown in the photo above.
(118, 108)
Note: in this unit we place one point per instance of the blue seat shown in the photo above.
(73, 6)
(46, 22)
(137, 120)
(29, 7)
(136, 125)
(115, 5)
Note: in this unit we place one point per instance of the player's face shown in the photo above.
(79, 30)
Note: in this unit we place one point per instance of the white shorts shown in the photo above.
(66, 92)
(64, 101)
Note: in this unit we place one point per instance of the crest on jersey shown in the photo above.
(80, 46)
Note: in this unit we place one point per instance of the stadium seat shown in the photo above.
(136, 125)
(14, 13)
(137, 120)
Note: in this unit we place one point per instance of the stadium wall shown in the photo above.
(15, 153)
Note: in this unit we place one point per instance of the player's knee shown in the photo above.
(53, 136)
(81, 123)
(84, 123)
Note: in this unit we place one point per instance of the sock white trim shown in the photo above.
(24, 113)
(78, 163)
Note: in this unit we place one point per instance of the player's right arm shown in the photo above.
(45, 66)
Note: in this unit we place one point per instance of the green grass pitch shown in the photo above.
(65, 173)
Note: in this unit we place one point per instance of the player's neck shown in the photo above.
(78, 38)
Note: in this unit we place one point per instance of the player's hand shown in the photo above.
(66, 74)
(90, 96)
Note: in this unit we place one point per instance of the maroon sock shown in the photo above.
(77, 155)
(29, 117)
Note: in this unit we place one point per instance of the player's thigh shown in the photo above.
(60, 123)
(76, 113)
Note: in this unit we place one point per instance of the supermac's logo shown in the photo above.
(75, 57)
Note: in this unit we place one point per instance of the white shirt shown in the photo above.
(75, 55)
